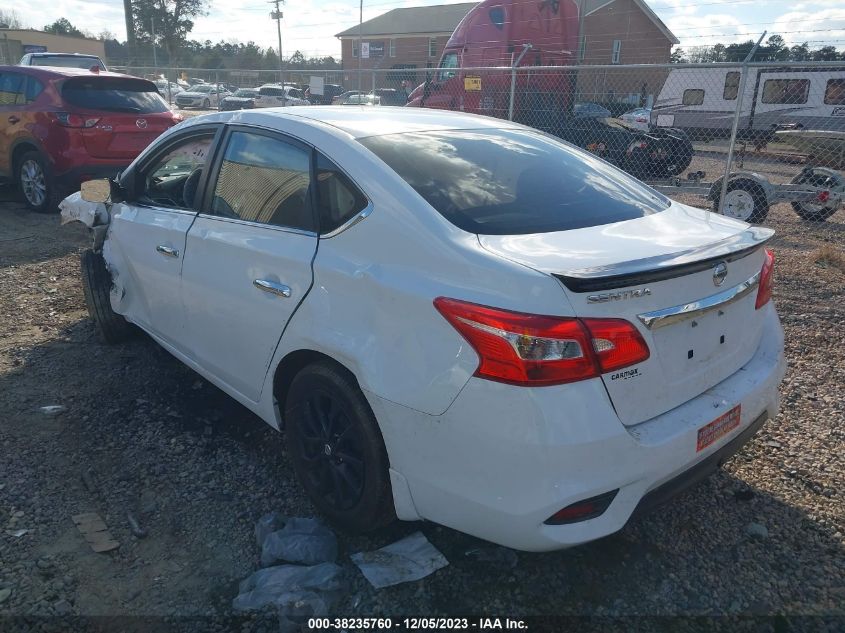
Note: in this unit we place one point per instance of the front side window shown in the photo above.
(448, 66)
(731, 86)
(338, 199)
(114, 94)
(11, 88)
(693, 96)
(265, 179)
(509, 182)
(786, 91)
(834, 92)
(173, 179)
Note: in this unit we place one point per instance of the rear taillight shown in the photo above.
(764, 292)
(75, 120)
(536, 350)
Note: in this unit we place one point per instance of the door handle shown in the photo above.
(167, 251)
(13, 119)
(280, 290)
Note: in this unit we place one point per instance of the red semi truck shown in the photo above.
(498, 33)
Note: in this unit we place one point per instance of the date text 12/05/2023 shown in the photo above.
(417, 624)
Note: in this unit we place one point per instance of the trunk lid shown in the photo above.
(658, 273)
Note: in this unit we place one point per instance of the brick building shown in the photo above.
(402, 39)
(614, 32)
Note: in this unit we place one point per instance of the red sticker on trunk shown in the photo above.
(719, 427)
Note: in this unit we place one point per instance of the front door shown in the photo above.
(146, 245)
(249, 255)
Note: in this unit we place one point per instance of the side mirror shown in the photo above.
(96, 190)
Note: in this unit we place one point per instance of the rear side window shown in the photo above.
(33, 89)
(338, 198)
(113, 94)
(510, 182)
(266, 180)
(786, 90)
(693, 96)
(11, 88)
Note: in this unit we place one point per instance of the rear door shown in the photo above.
(126, 114)
(146, 245)
(249, 255)
(11, 115)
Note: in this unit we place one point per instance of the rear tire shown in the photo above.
(35, 181)
(96, 284)
(206, 104)
(336, 448)
(744, 200)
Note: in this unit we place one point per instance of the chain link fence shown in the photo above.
(764, 143)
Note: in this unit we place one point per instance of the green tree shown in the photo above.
(173, 20)
(62, 26)
(678, 56)
(799, 52)
(825, 54)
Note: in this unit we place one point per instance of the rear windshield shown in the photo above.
(66, 61)
(113, 95)
(512, 182)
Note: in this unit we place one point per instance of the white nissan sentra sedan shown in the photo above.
(452, 317)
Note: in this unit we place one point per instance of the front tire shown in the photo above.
(35, 181)
(96, 284)
(336, 448)
(206, 104)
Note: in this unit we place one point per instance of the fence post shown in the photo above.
(514, 64)
(743, 79)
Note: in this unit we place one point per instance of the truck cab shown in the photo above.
(506, 33)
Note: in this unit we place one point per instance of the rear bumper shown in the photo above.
(502, 459)
(702, 470)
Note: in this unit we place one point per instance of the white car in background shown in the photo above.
(454, 318)
(640, 118)
(275, 95)
(203, 96)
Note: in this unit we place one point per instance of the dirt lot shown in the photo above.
(140, 433)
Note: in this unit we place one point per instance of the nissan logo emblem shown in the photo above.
(720, 271)
(141, 123)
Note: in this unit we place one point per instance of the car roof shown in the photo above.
(360, 122)
(52, 72)
(49, 54)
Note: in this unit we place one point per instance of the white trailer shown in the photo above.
(703, 101)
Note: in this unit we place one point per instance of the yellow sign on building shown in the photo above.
(472, 84)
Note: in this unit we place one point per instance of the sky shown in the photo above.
(310, 25)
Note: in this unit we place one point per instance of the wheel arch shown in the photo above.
(290, 365)
(21, 147)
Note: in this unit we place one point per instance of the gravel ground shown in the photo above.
(141, 433)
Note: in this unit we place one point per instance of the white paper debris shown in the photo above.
(410, 559)
(75, 209)
(52, 410)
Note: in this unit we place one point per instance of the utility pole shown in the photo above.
(153, 34)
(130, 31)
(277, 16)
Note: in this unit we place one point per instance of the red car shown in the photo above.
(61, 126)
